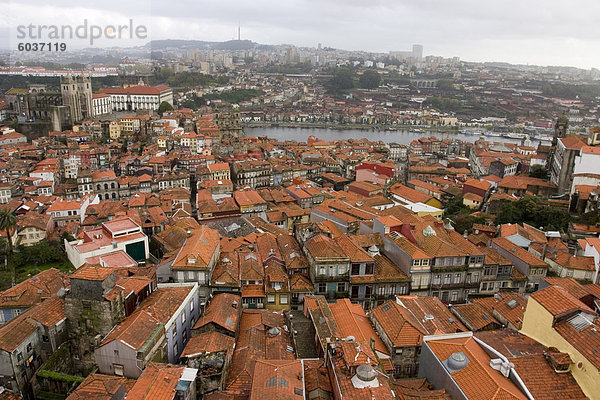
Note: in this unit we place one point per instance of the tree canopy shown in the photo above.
(164, 106)
(343, 79)
(370, 79)
(535, 212)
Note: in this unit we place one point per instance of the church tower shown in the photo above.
(77, 95)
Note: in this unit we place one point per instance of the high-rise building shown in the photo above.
(417, 52)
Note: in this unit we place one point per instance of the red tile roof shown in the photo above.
(208, 342)
(157, 382)
(557, 301)
(352, 321)
(223, 310)
(198, 249)
(43, 285)
(98, 387)
(48, 313)
(443, 320)
(92, 272)
(399, 324)
(277, 379)
(477, 380)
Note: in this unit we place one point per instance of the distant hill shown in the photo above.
(157, 45)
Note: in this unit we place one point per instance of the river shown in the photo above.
(402, 137)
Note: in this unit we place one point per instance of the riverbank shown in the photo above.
(405, 136)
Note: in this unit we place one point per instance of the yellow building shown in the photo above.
(31, 229)
(472, 200)
(114, 129)
(555, 318)
(278, 301)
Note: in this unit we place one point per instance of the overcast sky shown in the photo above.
(542, 32)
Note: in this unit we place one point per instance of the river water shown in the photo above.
(401, 137)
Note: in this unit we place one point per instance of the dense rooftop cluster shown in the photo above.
(209, 264)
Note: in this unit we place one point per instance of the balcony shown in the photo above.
(447, 268)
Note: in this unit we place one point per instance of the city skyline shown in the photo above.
(548, 33)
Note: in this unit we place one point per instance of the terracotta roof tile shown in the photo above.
(208, 342)
(475, 317)
(224, 310)
(558, 301)
(477, 380)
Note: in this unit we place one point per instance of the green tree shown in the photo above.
(343, 79)
(464, 223)
(8, 222)
(164, 106)
(537, 171)
(531, 210)
(445, 84)
(370, 79)
(455, 206)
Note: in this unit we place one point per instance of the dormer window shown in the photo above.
(191, 260)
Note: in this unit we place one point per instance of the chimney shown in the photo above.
(502, 366)
(189, 232)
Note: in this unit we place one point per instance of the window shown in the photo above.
(116, 353)
(180, 276)
(29, 347)
(184, 336)
(454, 296)
(322, 270)
(192, 306)
(355, 269)
(437, 279)
(183, 318)
(447, 279)
(569, 273)
(456, 278)
(118, 368)
(398, 351)
(369, 269)
(341, 286)
(322, 288)
(271, 298)
(283, 299)
(175, 349)
(416, 281)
